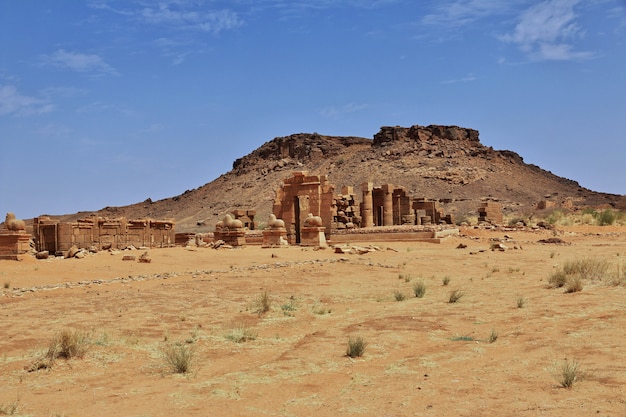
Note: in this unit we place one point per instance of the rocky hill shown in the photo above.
(446, 163)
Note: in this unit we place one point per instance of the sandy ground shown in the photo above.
(424, 356)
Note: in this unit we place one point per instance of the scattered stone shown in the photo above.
(461, 246)
(44, 254)
(553, 241)
(498, 246)
(129, 258)
(80, 254)
(71, 252)
(145, 258)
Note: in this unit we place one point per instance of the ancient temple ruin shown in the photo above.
(386, 205)
(389, 205)
(56, 237)
(301, 195)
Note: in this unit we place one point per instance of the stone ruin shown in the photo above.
(490, 212)
(231, 231)
(313, 232)
(246, 217)
(14, 240)
(275, 234)
(303, 195)
(58, 237)
(389, 206)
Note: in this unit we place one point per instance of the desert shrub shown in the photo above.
(179, 357)
(455, 296)
(399, 295)
(419, 289)
(241, 334)
(7, 285)
(587, 268)
(263, 303)
(606, 218)
(356, 347)
(568, 373)
(572, 274)
(445, 280)
(493, 336)
(521, 301)
(557, 279)
(68, 344)
(573, 284)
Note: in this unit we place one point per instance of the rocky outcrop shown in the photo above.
(297, 148)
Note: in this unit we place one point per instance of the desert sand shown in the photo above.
(424, 356)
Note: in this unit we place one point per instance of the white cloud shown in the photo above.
(546, 31)
(337, 111)
(84, 63)
(463, 12)
(14, 103)
(207, 21)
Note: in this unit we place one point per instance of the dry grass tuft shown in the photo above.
(179, 357)
(68, 344)
(263, 303)
(356, 347)
(568, 373)
(419, 289)
(241, 334)
(455, 296)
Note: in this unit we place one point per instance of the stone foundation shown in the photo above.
(313, 236)
(14, 244)
(274, 237)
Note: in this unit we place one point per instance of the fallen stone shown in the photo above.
(145, 258)
(42, 254)
(71, 252)
(129, 258)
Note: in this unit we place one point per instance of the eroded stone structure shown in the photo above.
(300, 195)
(231, 231)
(102, 233)
(275, 234)
(14, 241)
(313, 232)
(389, 205)
(313, 195)
(346, 213)
(490, 212)
(246, 217)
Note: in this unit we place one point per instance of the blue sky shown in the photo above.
(111, 102)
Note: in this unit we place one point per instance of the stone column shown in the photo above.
(367, 212)
(387, 204)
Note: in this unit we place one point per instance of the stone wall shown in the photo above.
(57, 237)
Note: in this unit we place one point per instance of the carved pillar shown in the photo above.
(387, 204)
(367, 209)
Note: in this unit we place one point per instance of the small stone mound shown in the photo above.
(553, 241)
